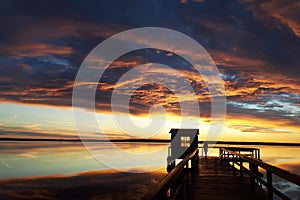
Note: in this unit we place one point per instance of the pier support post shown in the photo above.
(252, 171)
(241, 168)
(269, 185)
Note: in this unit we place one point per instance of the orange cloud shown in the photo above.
(25, 67)
(35, 91)
(287, 13)
(226, 59)
(36, 49)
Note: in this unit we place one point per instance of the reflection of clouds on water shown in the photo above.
(46, 158)
(105, 184)
(5, 163)
(289, 189)
(29, 155)
(293, 167)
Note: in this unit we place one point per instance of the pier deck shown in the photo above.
(214, 179)
(236, 174)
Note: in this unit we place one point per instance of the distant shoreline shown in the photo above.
(146, 141)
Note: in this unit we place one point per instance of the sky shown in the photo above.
(254, 44)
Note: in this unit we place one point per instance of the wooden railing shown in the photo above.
(247, 151)
(256, 177)
(172, 184)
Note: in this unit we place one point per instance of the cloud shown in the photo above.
(35, 50)
(247, 32)
(56, 93)
(255, 45)
(247, 88)
(287, 13)
(260, 129)
(285, 108)
(234, 61)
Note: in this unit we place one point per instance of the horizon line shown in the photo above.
(133, 140)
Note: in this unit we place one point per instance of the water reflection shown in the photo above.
(101, 184)
(67, 159)
(19, 159)
(44, 158)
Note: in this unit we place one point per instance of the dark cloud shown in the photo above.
(254, 43)
(235, 30)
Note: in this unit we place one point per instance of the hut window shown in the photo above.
(185, 141)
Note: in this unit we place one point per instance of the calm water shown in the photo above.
(18, 159)
(31, 159)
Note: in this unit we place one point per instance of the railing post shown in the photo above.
(252, 171)
(241, 167)
(269, 185)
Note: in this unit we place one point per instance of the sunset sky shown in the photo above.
(255, 45)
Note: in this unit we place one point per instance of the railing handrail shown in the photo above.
(240, 148)
(294, 178)
(170, 178)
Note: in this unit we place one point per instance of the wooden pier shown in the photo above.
(213, 181)
(235, 174)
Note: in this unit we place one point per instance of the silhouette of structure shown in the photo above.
(183, 142)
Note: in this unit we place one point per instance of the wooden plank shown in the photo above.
(216, 180)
